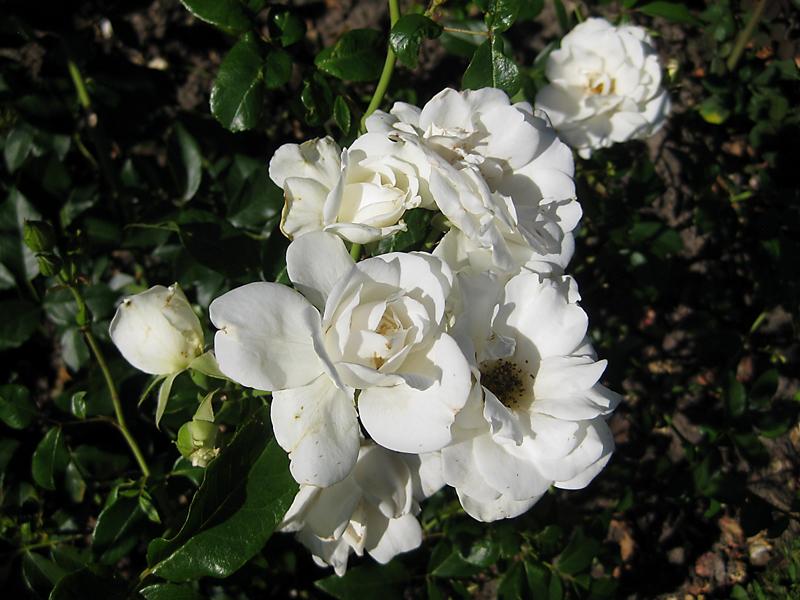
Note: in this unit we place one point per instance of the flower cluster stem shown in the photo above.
(115, 400)
(388, 69)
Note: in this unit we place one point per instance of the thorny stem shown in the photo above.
(745, 35)
(388, 69)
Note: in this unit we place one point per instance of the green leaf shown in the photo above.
(169, 591)
(538, 579)
(90, 582)
(564, 22)
(357, 56)
(244, 495)
(74, 350)
(735, 397)
(192, 162)
(578, 554)
(14, 254)
(7, 449)
(483, 553)
(77, 404)
(367, 582)
(714, 110)
(490, 67)
(341, 114)
(510, 586)
(672, 11)
(317, 98)
(18, 145)
(417, 221)
(17, 410)
(117, 528)
(501, 14)
(228, 15)
(455, 566)
(74, 483)
(20, 321)
(292, 28)
(407, 35)
(277, 68)
(237, 97)
(764, 389)
(40, 574)
(530, 9)
(555, 591)
(49, 458)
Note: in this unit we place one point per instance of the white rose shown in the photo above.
(360, 194)
(498, 172)
(374, 326)
(157, 331)
(535, 416)
(605, 86)
(372, 509)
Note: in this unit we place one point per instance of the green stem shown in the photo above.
(355, 251)
(465, 31)
(745, 35)
(388, 69)
(112, 389)
(80, 86)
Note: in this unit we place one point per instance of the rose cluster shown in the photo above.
(397, 374)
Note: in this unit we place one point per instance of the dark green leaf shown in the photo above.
(237, 96)
(483, 553)
(99, 464)
(245, 493)
(417, 220)
(18, 145)
(277, 68)
(764, 389)
(578, 554)
(341, 113)
(40, 574)
(672, 11)
(7, 449)
(292, 28)
(502, 14)
(90, 582)
(221, 247)
(169, 591)
(228, 15)
(511, 583)
(49, 458)
(530, 9)
(77, 404)
(14, 254)
(117, 527)
(455, 566)
(735, 397)
(192, 162)
(490, 67)
(538, 579)
(17, 410)
(407, 35)
(564, 21)
(555, 591)
(317, 98)
(357, 56)
(369, 582)
(74, 350)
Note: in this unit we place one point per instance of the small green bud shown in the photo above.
(39, 236)
(49, 264)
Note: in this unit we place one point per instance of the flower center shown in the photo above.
(512, 384)
(601, 84)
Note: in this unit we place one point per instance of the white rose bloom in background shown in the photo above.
(374, 326)
(157, 331)
(360, 194)
(535, 416)
(605, 86)
(374, 508)
(498, 172)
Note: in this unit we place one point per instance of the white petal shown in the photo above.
(588, 459)
(317, 425)
(316, 262)
(502, 507)
(303, 208)
(385, 481)
(316, 159)
(506, 472)
(267, 336)
(386, 538)
(407, 420)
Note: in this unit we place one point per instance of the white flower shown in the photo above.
(374, 326)
(157, 331)
(372, 509)
(498, 172)
(605, 86)
(535, 416)
(360, 194)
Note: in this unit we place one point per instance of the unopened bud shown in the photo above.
(39, 236)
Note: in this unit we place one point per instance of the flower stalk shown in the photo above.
(388, 69)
